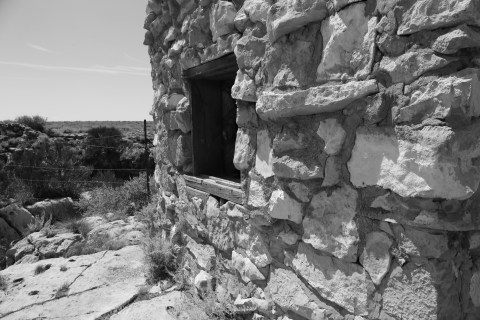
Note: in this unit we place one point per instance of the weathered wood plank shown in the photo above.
(210, 186)
(224, 182)
(192, 192)
(214, 69)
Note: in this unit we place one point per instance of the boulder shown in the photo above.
(332, 134)
(342, 283)
(417, 163)
(256, 195)
(286, 16)
(245, 146)
(95, 284)
(118, 233)
(203, 282)
(255, 245)
(348, 45)
(247, 270)
(17, 218)
(284, 207)
(333, 172)
(434, 14)
(256, 10)
(447, 98)
(250, 51)
(411, 65)
(58, 210)
(330, 226)
(339, 4)
(7, 233)
(289, 292)
(183, 116)
(325, 98)
(222, 15)
(458, 38)
(376, 257)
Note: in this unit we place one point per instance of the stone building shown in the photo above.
(324, 153)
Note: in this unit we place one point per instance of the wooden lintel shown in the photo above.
(212, 187)
(214, 69)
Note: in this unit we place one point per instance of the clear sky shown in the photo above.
(73, 60)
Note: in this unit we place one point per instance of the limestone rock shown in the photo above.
(255, 245)
(289, 237)
(264, 156)
(286, 16)
(153, 309)
(342, 283)
(348, 45)
(333, 174)
(339, 4)
(250, 51)
(333, 134)
(376, 255)
(434, 14)
(17, 218)
(97, 284)
(456, 39)
(247, 270)
(59, 210)
(297, 168)
(422, 290)
(411, 65)
(256, 10)
(203, 281)
(183, 116)
(256, 195)
(289, 292)
(250, 305)
(222, 16)
(244, 88)
(475, 288)
(325, 98)
(204, 254)
(245, 146)
(121, 232)
(420, 243)
(330, 227)
(289, 139)
(420, 163)
(282, 206)
(455, 96)
(246, 116)
(301, 191)
(7, 233)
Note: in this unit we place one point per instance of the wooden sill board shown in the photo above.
(225, 190)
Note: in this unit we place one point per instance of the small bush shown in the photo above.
(62, 291)
(78, 226)
(35, 122)
(124, 200)
(41, 268)
(161, 258)
(3, 283)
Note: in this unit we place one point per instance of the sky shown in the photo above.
(74, 60)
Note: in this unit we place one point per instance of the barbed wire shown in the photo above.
(70, 169)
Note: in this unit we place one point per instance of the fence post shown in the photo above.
(146, 156)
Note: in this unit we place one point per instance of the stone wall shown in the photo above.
(359, 148)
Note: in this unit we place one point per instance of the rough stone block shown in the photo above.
(434, 14)
(332, 134)
(256, 195)
(454, 97)
(416, 163)
(411, 65)
(264, 155)
(331, 226)
(376, 257)
(222, 15)
(325, 98)
(420, 243)
(348, 45)
(244, 88)
(282, 206)
(344, 284)
(456, 39)
(204, 254)
(302, 168)
(245, 146)
(286, 16)
(247, 270)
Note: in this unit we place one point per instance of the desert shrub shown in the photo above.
(50, 169)
(121, 201)
(63, 290)
(35, 122)
(3, 283)
(41, 268)
(103, 148)
(78, 226)
(160, 258)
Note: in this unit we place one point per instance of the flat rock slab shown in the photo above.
(158, 308)
(97, 284)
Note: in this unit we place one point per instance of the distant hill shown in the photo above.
(128, 128)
